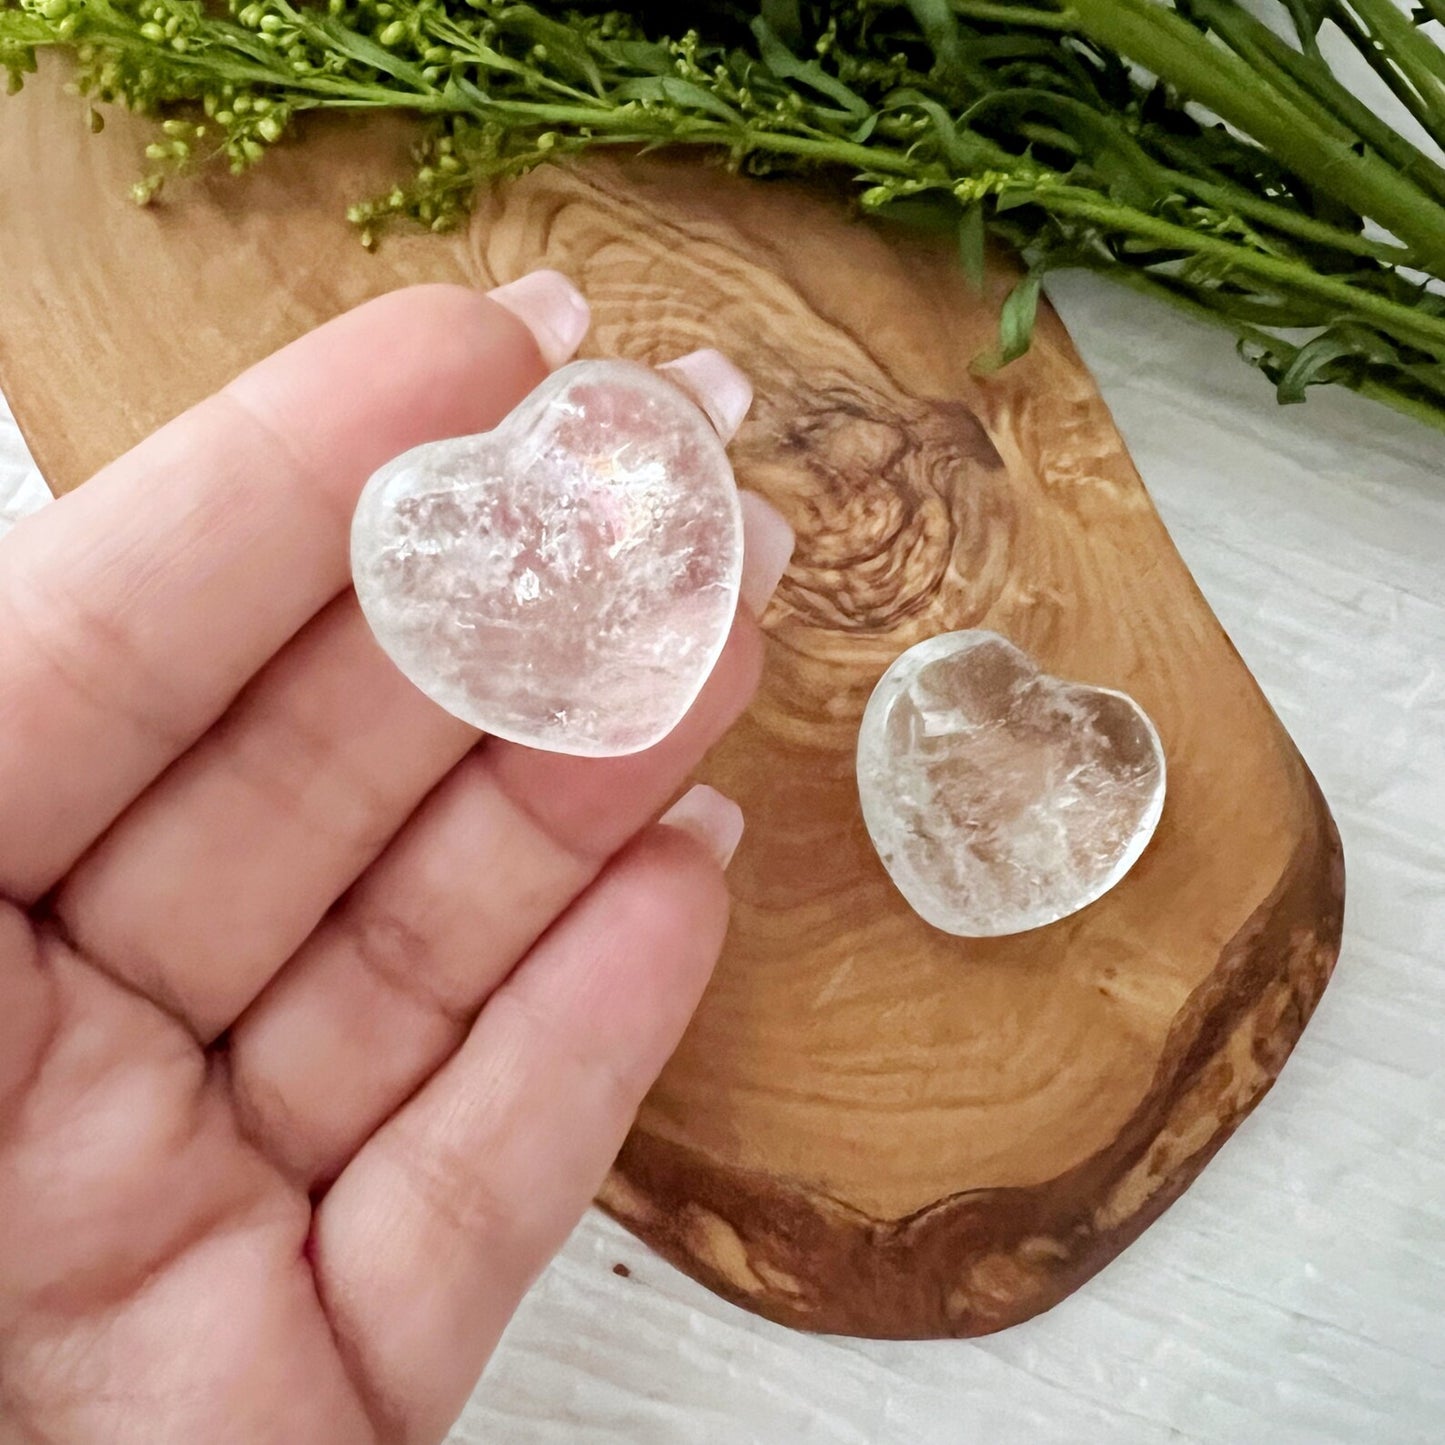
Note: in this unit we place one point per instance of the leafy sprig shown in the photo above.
(1187, 150)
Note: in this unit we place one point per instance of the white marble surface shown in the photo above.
(1296, 1295)
(21, 487)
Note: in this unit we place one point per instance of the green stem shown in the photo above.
(1147, 285)
(1407, 91)
(1415, 53)
(1315, 87)
(1222, 194)
(440, 26)
(1291, 223)
(1402, 402)
(1432, 414)
(1403, 322)
(1025, 17)
(1168, 46)
(1306, 25)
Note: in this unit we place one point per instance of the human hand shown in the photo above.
(320, 1023)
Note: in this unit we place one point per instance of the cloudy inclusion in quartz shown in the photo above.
(1000, 798)
(565, 581)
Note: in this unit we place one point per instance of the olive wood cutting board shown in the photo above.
(871, 1127)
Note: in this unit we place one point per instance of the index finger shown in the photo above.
(134, 610)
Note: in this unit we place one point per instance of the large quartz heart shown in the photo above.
(567, 580)
(1000, 798)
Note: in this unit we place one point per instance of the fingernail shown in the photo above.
(551, 308)
(714, 820)
(768, 543)
(716, 385)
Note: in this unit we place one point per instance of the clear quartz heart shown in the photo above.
(567, 580)
(999, 798)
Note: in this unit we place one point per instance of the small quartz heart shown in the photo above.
(567, 580)
(1000, 798)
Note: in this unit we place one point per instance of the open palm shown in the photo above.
(320, 1018)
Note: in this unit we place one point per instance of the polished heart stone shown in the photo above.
(1000, 798)
(565, 581)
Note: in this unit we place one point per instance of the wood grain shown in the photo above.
(871, 1127)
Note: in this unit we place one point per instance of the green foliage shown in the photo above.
(1185, 148)
(1015, 325)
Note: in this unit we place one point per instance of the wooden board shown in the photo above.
(871, 1127)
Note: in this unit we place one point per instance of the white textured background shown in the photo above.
(1296, 1295)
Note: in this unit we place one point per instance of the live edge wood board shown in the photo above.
(871, 1127)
